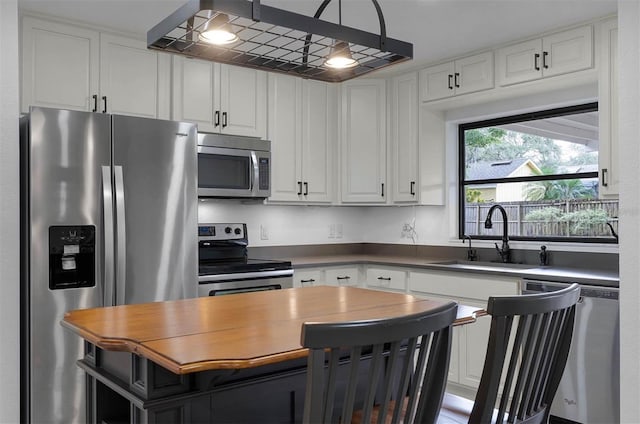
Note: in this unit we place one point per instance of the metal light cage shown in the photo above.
(276, 40)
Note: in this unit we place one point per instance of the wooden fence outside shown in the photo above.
(476, 213)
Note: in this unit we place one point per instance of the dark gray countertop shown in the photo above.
(534, 272)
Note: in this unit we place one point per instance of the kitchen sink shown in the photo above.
(484, 266)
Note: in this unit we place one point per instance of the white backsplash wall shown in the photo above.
(276, 225)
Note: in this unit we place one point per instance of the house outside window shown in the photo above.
(542, 168)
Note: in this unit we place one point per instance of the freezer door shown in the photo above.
(62, 156)
(155, 178)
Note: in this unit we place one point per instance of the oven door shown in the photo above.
(223, 284)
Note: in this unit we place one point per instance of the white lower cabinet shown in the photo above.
(342, 276)
(307, 277)
(470, 341)
(384, 278)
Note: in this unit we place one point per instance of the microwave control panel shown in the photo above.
(263, 169)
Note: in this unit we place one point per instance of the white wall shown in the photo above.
(9, 207)
(629, 130)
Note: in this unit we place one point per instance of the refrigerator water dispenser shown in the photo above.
(72, 256)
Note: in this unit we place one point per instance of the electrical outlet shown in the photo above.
(332, 231)
(264, 233)
(339, 231)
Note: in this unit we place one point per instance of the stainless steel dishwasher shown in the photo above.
(589, 391)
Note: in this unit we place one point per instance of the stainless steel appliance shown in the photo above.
(224, 266)
(589, 391)
(233, 166)
(109, 217)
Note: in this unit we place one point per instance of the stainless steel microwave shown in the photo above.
(233, 166)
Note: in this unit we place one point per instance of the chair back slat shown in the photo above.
(382, 363)
(524, 362)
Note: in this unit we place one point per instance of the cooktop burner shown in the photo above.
(242, 265)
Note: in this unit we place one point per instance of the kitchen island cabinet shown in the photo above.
(209, 360)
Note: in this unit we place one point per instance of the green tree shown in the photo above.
(559, 190)
(473, 195)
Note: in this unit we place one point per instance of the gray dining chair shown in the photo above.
(527, 351)
(367, 366)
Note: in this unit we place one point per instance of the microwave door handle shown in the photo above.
(253, 177)
(107, 215)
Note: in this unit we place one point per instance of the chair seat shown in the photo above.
(455, 409)
(356, 418)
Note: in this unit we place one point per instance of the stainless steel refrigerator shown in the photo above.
(109, 217)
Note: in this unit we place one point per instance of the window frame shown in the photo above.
(462, 183)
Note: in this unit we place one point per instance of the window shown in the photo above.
(542, 168)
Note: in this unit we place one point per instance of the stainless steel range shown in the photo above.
(225, 268)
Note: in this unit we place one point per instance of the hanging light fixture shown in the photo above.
(218, 30)
(340, 56)
(277, 40)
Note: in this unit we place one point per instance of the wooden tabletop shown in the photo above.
(237, 331)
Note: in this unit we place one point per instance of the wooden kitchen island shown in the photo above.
(221, 359)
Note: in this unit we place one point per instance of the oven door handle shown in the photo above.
(245, 275)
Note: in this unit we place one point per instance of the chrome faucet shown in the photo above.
(472, 255)
(504, 251)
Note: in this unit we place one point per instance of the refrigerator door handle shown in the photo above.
(107, 214)
(121, 241)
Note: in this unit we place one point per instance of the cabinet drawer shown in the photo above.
(464, 285)
(383, 278)
(342, 276)
(307, 277)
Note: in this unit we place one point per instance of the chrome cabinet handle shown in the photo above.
(121, 238)
(107, 216)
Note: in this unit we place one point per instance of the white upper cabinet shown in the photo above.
(555, 54)
(404, 138)
(608, 109)
(133, 79)
(465, 75)
(220, 98)
(363, 139)
(69, 67)
(302, 116)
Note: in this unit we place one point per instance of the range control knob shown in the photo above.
(227, 230)
(237, 231)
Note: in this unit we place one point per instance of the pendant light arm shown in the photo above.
(323, 6)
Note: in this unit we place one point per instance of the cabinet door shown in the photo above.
(285, 133)
(364, 141)
(386, 279)
(436, 82)
(404, 138)
(133, 80)
(193, 92)
(567, 51)
(348, 276)
(307, 277)
(473, 73)
(473, 339)
(243, 101)
(608, 109)
(319, 133)
(60, 65)
(520, 62)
